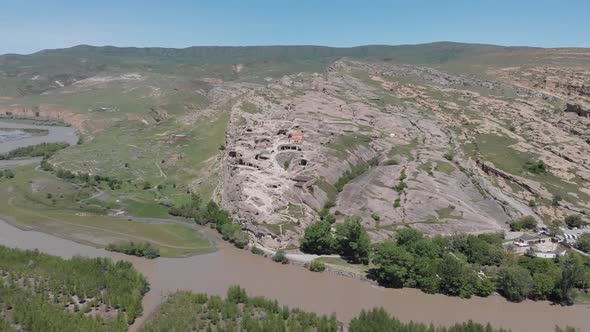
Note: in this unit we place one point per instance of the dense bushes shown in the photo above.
(257, 251)
(7, 173)
(583, 243)
(213, 214)
(356, 171)
(83, 178)
(224, 223)
(38, 287)
(185, 311)
(378, 320)
(280, 257)
(350, 240)
(515, 283)
(450, 265)
(144, 249)
(535, 167)
(45, 150)
(574, 220)
(34, 313)
(191, 210)
(317, 266)
(459, 265)
(523, 223)
(318, 239)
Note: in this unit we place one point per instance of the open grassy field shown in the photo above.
(342, 146)
(341, 264)
(24, 201)
(131, 150)
(496, 149)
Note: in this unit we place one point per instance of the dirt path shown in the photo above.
(99, 193)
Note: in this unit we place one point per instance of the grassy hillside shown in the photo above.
(17, 72)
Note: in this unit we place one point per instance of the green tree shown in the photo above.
(572, 270)
(8, 173)
(455, 277)
(353, 241)
(237, 294)
(393, 264)
(515, 283)
(527, 222)
(378, 320)
(408, 236)
(484, 287)
(574, 220)
(543, 285)
(318, 238)
(317, 266)
(584, 243)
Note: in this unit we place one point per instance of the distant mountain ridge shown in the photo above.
(276, 50)
(439, 50)
(37, 72)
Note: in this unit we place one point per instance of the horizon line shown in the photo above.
(291, 45)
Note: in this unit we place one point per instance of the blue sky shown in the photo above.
(30, 25)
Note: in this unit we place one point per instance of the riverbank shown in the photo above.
(55, 134)
(296, 287)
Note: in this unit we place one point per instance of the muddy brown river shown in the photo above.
(297, 287)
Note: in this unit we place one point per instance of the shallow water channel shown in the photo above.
(12, 136)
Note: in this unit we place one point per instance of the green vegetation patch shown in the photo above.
(296, 211)
(40, 150)
(447, 213)
(281, 228)
(146, 209)
(38, 290)
(185, 311)
(24, 201)
(249, 107)
(345, 144)
(426, 167)
(378, 319)
(131, 150)
(444, 167)
(405, 150)
(451, 265)
(144, 249)
(356, 171)
(328, 188)
(497, 150)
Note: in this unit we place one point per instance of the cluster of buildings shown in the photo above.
(545, 246)
(539, 245)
